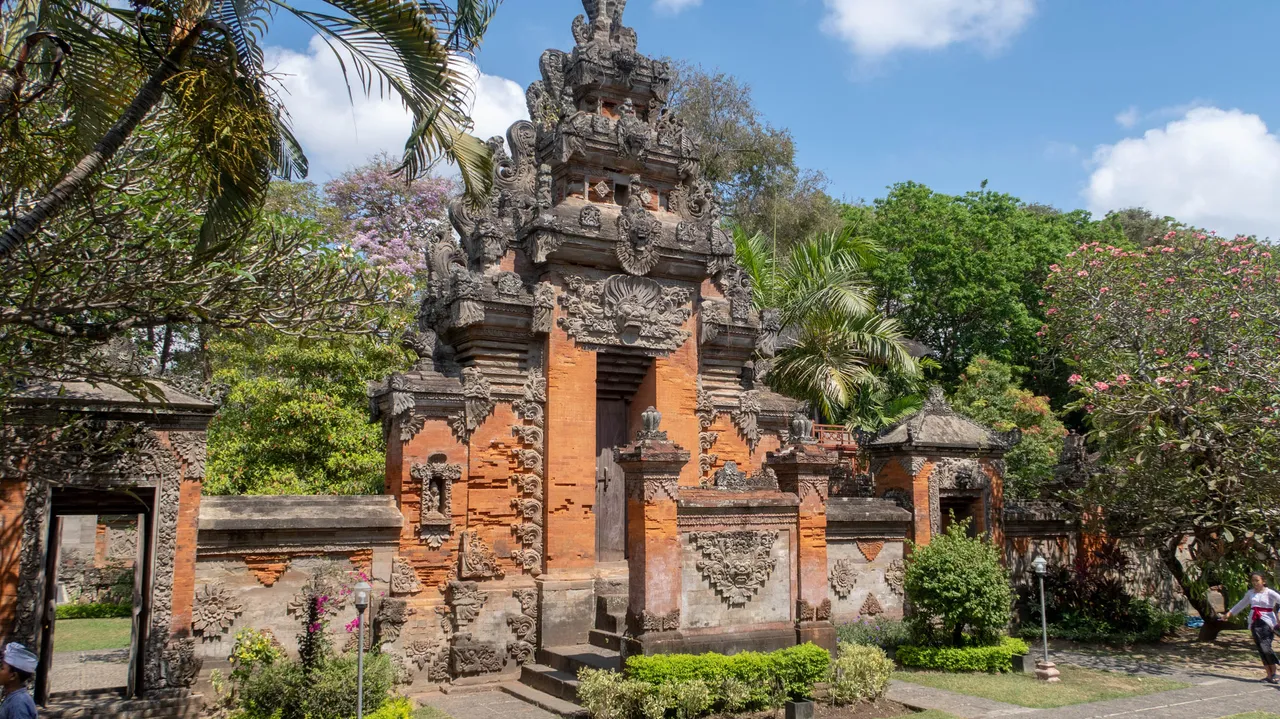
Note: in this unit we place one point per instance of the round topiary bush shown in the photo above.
(958, 590)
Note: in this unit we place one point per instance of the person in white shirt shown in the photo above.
(1261, 601)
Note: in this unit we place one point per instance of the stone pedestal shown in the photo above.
(1047, 672)
(652, 466)
(804, 468)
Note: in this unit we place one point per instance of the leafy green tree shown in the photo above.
(197, 69)
(989, 393)
(751, 162)
(1177, 368)
(1139, 226)
(836, 343)
(958, 583)
(295, 419)
(964, 274)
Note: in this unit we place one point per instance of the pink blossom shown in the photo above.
(353, 624)
(1219, 390)
(1159, 351)
(1163, 380)
(1122, 379)
(1074, 379)
(1104, 289)
(1194, 320)
(1193, 354)
(1082, 273)
(1189, 368)
(1054, 268)
(1101, 386)
(1235, 315)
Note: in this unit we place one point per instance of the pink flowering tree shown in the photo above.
(1176, 357)
(388, 221)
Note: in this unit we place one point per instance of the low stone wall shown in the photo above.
(865, 557)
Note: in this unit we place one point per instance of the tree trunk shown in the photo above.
(1169, 556)
(55, 201)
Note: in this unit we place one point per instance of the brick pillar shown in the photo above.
(804, 468)
(653, 465)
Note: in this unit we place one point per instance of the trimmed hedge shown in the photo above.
(796, 669)
(98, 610)
(996, 658)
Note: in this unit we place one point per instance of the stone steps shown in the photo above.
(611, 613)
(605, 640)
(561, 685)
(572, 658)
(109, 704)
(544, 701)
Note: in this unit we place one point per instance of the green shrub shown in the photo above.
(958, 584)
(997, 658)
(1077, 627)
(880, 632)
(252, 649)
(684, 699)
(395, 708)
(283, 690)
(608, 695)
(769, 678)
(95, 610)
(859, 673)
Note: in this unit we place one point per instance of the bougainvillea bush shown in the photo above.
(1176, 356)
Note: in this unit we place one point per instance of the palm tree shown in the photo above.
(838, 348)
(197, 65)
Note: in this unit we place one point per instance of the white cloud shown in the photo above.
(673, 7)
(876, 28)
(1129, 117)
(338, 131)
(1055, 150)
(1219, 169)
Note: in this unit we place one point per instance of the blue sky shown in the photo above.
(1075, 103)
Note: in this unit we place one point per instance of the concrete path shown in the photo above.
(78, 671)
(961, 705)
(485, 705)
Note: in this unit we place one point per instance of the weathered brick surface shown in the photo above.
(431, 565)
(267, 567)
(490, 512)
(184, 563)
(569, 529)
(11, 495)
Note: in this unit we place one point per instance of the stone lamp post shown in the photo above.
(1045, 669)
(360, 596)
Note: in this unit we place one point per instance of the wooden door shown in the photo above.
(611, 494)
(48, 609)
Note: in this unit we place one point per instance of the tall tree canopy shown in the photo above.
(751, 162)
(964, 274)
(196, 69)
(1176, 351)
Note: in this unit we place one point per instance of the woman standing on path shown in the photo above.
(1261, 601)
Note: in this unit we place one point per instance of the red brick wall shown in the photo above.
(431, 565)
(11, 496)
(570, 480)
(489, 488)
(184, 562)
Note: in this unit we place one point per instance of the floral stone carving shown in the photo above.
(843, 576)
(471, 657)
(390, 619)
(871, 607)
(465, 601)
(747, 417)
(476, 559)
(404, 579)
(436, 478)
(625, 311)
(477, 403)
(214, 610)
(736, 564)
(894, 575)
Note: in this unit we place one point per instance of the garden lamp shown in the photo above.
(360, 596)
(1046, 670)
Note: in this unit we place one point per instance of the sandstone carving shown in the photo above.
(871, 607)
(471, 657)
(214, 611)
(181, 664)
(747, 417)
(465, 601)
(870, 548)
(807, 612)
(476, 559)
(843, 576)
(404, 579)
(477, 403)
(736, 564)
(390, 619)
(894, 575)
(436, 478)
(624, 311)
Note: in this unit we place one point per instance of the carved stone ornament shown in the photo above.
(806, 612)
(403, 407)
(529, 407)
(736, 564)
(477, 404)
(951, 473)
(638, 233)
(649, 421)
(894, 576)
(589, 217)
(870, 548)
(390, 619)
(465, 601)
(623, 311)
(166, 550)
(844, 574)
(735, 285)
(435, 480)
(528, 599)
(544, 303)
(476, 559)
(471, 657)
(192, 450)
(653, 489)
(214, 611)
(747, 417)
(404, 579)
(181, 663)
(900, 497)
(731, 479)
(706, 409)
(871, 607)
(713, 315)
(648, 622)
(508, 284)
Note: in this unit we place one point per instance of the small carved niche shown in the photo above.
(436, 478)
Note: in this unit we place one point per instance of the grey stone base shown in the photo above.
(727, 641)
(821, 633)
(566, 610)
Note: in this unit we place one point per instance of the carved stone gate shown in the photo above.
(74, 448)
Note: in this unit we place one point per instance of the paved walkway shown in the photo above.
(77, 671)
(1210, 696)
(485, 705)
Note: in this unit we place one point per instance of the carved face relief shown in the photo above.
(626, 311)
(736, 564)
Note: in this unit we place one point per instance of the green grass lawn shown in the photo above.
(931, 714)
(429, 712)
(83, 635)
(1077, 686)
(1254, 715)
